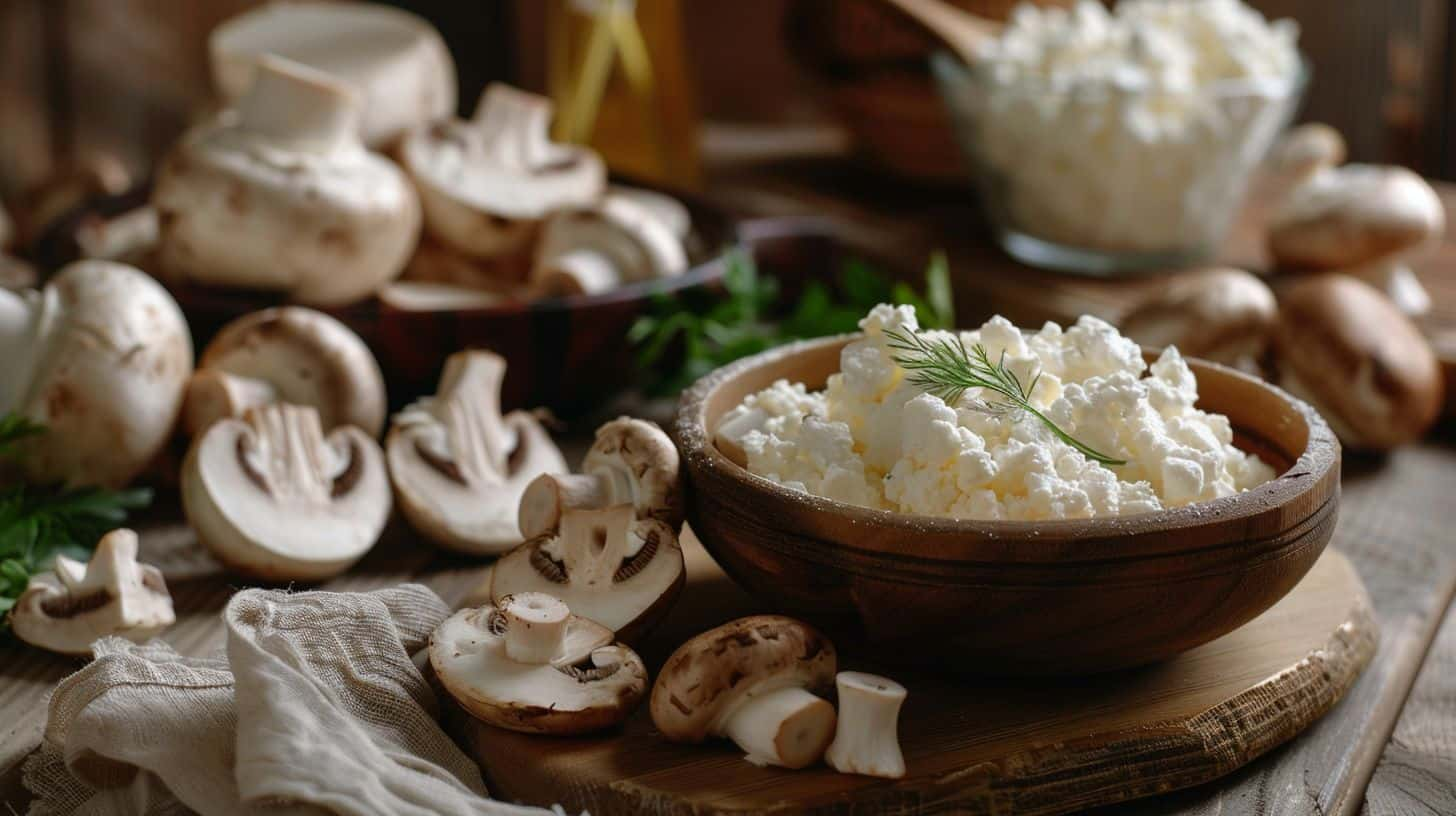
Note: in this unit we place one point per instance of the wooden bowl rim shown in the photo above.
(1122, 537)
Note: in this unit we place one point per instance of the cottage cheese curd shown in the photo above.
(1130, 130)
(874, 439)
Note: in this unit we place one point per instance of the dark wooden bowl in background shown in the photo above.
(1059, 597)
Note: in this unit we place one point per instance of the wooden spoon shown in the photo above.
(966, 34)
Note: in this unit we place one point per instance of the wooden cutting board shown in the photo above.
(971, 746)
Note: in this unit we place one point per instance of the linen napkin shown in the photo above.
(316, 707)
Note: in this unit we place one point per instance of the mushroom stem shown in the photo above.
(866, 740)
(213, 395)
(551, 495)
(535, 627)
(788, 727)
(578, 272)
(1399, 282)
(298, 107)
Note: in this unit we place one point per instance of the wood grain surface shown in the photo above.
(981, 747)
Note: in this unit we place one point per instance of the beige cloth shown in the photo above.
(315, 708)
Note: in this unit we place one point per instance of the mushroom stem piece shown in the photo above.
(296, 106)
(865, 739)
(535, 626)
(789, 727)
(213, 395)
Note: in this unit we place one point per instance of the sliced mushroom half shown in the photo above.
(620, 571)
(273, 497)
(67, 609)
(527, 664)
(590, 249)
(459, 467)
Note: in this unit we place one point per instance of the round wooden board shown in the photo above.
(1003, 747)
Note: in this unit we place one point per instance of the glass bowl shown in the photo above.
(1107, 182)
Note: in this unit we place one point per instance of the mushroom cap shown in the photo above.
(1354, 215)
(102, 364)
(619, 571)
(273, 497)
(69, 608)
(1305, 150)
(310, 359)
(705, 680)
(459, 467)
(278, 195)
(485, 184)
(1222, 315)
(1344, 347)
(643, 467)
(591, 684)
(395, 60)
(626, 236)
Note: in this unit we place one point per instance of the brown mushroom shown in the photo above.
(750, 680)
(1223, 315)
(1345, 348)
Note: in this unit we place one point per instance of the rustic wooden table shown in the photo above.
(1388, 748)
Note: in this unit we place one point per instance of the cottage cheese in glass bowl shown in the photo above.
(1105, 142)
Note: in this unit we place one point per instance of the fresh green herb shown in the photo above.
(945, 368)
(717, 332)
(37, 523)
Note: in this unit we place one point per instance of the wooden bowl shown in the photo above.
(1007, 597)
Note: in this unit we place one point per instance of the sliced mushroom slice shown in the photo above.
(486, 184)
(279, 195)
(527, 664)
(751, 680)
(288, 354)
(273, 497)
(1222, 315)
(459, 467)
(67, 609)
(631, 462)
(622, 572)
(866, 738)
(100, 356)
(590, 249)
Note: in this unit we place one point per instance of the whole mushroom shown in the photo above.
(1223, 315)
(69, 608)
(1304, 151)
(459, 467)
(593, 248)
(275, 498)
(280, 195)
(486, 184)
(1345, 348)
(396, 61)
(288, 354)
(1361, 219)
(751, 680)
(526, 663)
(631, 461)
(100, 357)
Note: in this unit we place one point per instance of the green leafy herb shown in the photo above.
(717, 332)
(945, 368)
(37, 523)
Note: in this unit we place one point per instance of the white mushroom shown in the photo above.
(273, 497)
(459, 467)
(288, 354)
(750, 680)
(424, 296)
(1222, 315)
(486, 184)
(100, 357)
(67, 609)
(1304, 151)
(1344, 347)
(395, 60)
(128, 237)
(279, 195)
(620, 571)
(1364, 220)
(631, 461)
(527, 664)
(671, 212)
(590, 249)
(866, 739)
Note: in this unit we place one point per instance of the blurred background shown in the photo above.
(755, 78)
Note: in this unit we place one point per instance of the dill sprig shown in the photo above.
(945, 368)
